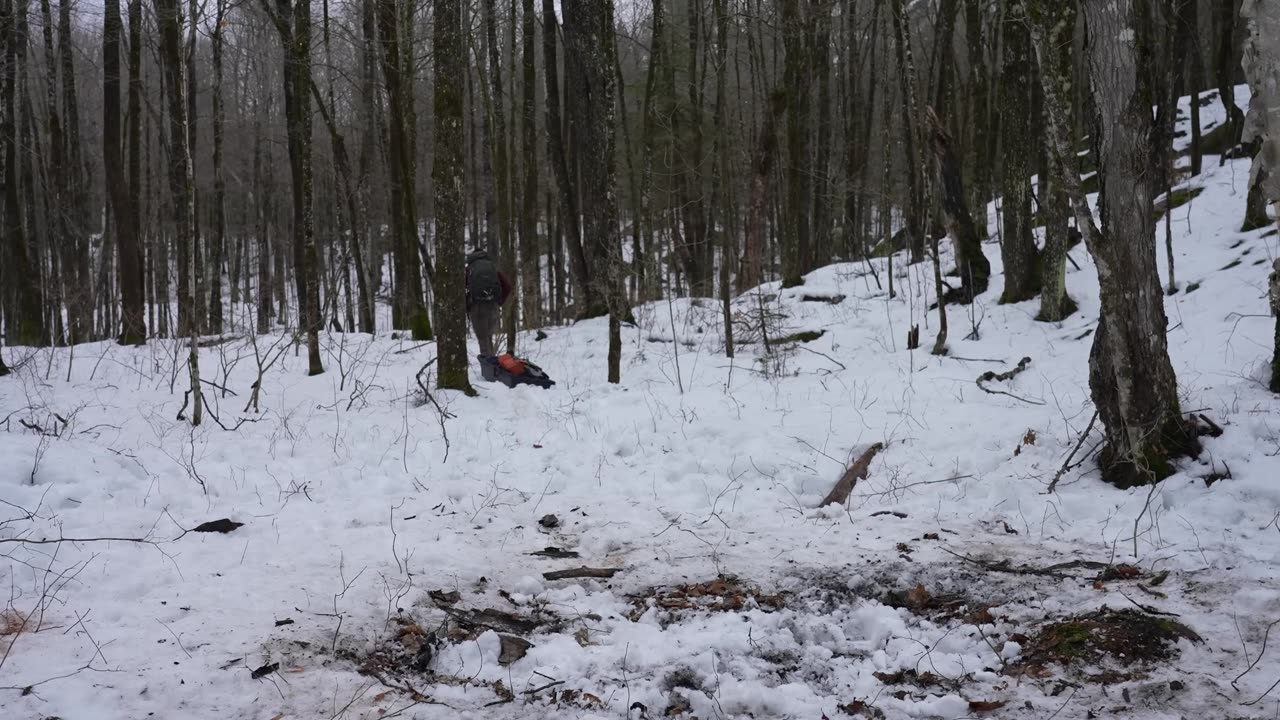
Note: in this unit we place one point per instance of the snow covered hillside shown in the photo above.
(391, 565)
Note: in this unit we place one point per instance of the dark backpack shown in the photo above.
(483, 285)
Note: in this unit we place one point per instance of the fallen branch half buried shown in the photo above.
(582, 572)
(1055, 571)
(991, 376)
(857, 471)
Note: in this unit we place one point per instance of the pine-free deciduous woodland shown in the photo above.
(608, 154)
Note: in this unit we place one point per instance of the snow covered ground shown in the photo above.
(697, 467)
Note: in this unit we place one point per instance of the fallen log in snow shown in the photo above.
(857, 471)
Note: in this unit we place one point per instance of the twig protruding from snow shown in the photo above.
(1066, 464)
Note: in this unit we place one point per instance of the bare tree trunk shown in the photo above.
(795, 247)
(752, 270)
(136, 81)
(497, 153)
(687, 129)
(721, 195)
(75, 200)
(589, 52)
(134, 330)
(293, 23)
(55, 201)
(823, 245)
(1227, 13)
(1261, 64)
(589, 303)
(169, 17)
(410, 309)
(1056, 21)
(1018, 248)
(972, 264)
(1188, 19)
(979, 171)
(263, 240)
(1130, 375)
(218, 243)
(530, 253)
(916, 209)
(199, 311)
(29, 326)
(449, 286)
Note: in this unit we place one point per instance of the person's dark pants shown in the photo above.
(484, 321)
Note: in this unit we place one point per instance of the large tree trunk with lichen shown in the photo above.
(1130, 375)
(1017, 151)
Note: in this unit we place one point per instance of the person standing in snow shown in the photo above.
(487, 291)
